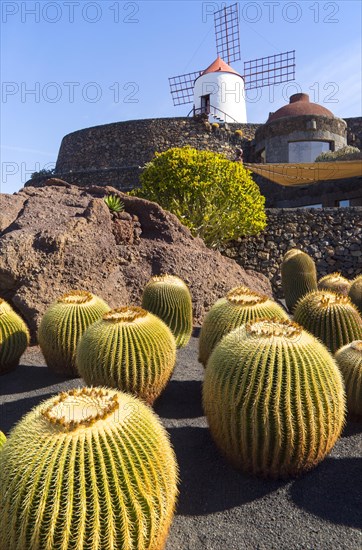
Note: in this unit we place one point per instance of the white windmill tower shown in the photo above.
(219, 90)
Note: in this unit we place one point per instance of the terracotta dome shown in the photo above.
(299, 104)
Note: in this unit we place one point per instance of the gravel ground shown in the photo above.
(220, 508)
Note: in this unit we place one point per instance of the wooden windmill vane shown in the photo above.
(219, 90)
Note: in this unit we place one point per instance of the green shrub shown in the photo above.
(215, 198)
(114, 203)
(345, 153)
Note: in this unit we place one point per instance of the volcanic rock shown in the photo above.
(61, 237)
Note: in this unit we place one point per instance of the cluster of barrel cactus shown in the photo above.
(88, 469)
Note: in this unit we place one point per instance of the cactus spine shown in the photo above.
(88, 469)
(129, 349)
(299, 276)
(14, 337)
(274, 398)
(62, 326)
(330, 317)
(239, 306)
(168, 297)
(355, 293)
(335, 282)
(349, 359)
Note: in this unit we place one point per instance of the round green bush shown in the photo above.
(274, 398)
(88, 469)
(215, 198)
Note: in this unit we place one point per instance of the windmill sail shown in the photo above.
(182, 87)
(227, 34)
(267, 71)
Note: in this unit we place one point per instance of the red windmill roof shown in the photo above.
(219, 65)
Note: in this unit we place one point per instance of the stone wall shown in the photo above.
(333, 237)
(354, 131)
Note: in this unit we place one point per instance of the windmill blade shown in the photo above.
(270, 70)
(182, 87)
(227, 35)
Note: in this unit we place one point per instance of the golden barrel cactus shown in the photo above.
(62, 326)
(2, 439)
(274, 398)
(349, 359)
(335, 282)
(89, 469)
(14, 337)
(355, 293)
(329, 316)
(168, 297)
(129, 349)
(238, 306)
(299, 276)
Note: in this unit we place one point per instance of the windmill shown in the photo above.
(219, 90)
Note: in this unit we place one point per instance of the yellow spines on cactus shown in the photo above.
(62, 326)
(2, 439)
(239, 306)
(14, 337)
(89, 469)
(168, 297)
(355, 293)
(329, 316)
(274, 398)
(129, 349)
(335, 282)
(299, 276)
(349, 359)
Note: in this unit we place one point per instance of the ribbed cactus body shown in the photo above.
(355, 293)
(299, 276)
(274, 398)
(239, 306)
(329, 316)
(2, 439)
(349, 359)
(62, 326)
(14, 337)
(168, 297)
(129, 349)
(335, 282)
(90, 469)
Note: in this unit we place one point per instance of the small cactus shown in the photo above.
(335, 282)
(62, 326)
(274, 398)
(89, 469)
(239, 306)
(355, 293)
(349, 359)
(330, 317)
(168, 297)
(2, 439)
(129, 349)
(299, 276)
(14, 337)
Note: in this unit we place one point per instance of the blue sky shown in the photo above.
(67, 65)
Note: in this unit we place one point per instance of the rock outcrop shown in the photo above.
(60, 237)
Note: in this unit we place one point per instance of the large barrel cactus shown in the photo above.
(168, 297)
(14, 337)
(335, 282)
(299, 276)
(355, 293)
(239, 306)
(62, 326)
(274, 398)
(89, 469)
(349, 359)
(329, 316)
(129, 349)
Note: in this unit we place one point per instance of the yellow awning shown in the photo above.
(305, 173)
